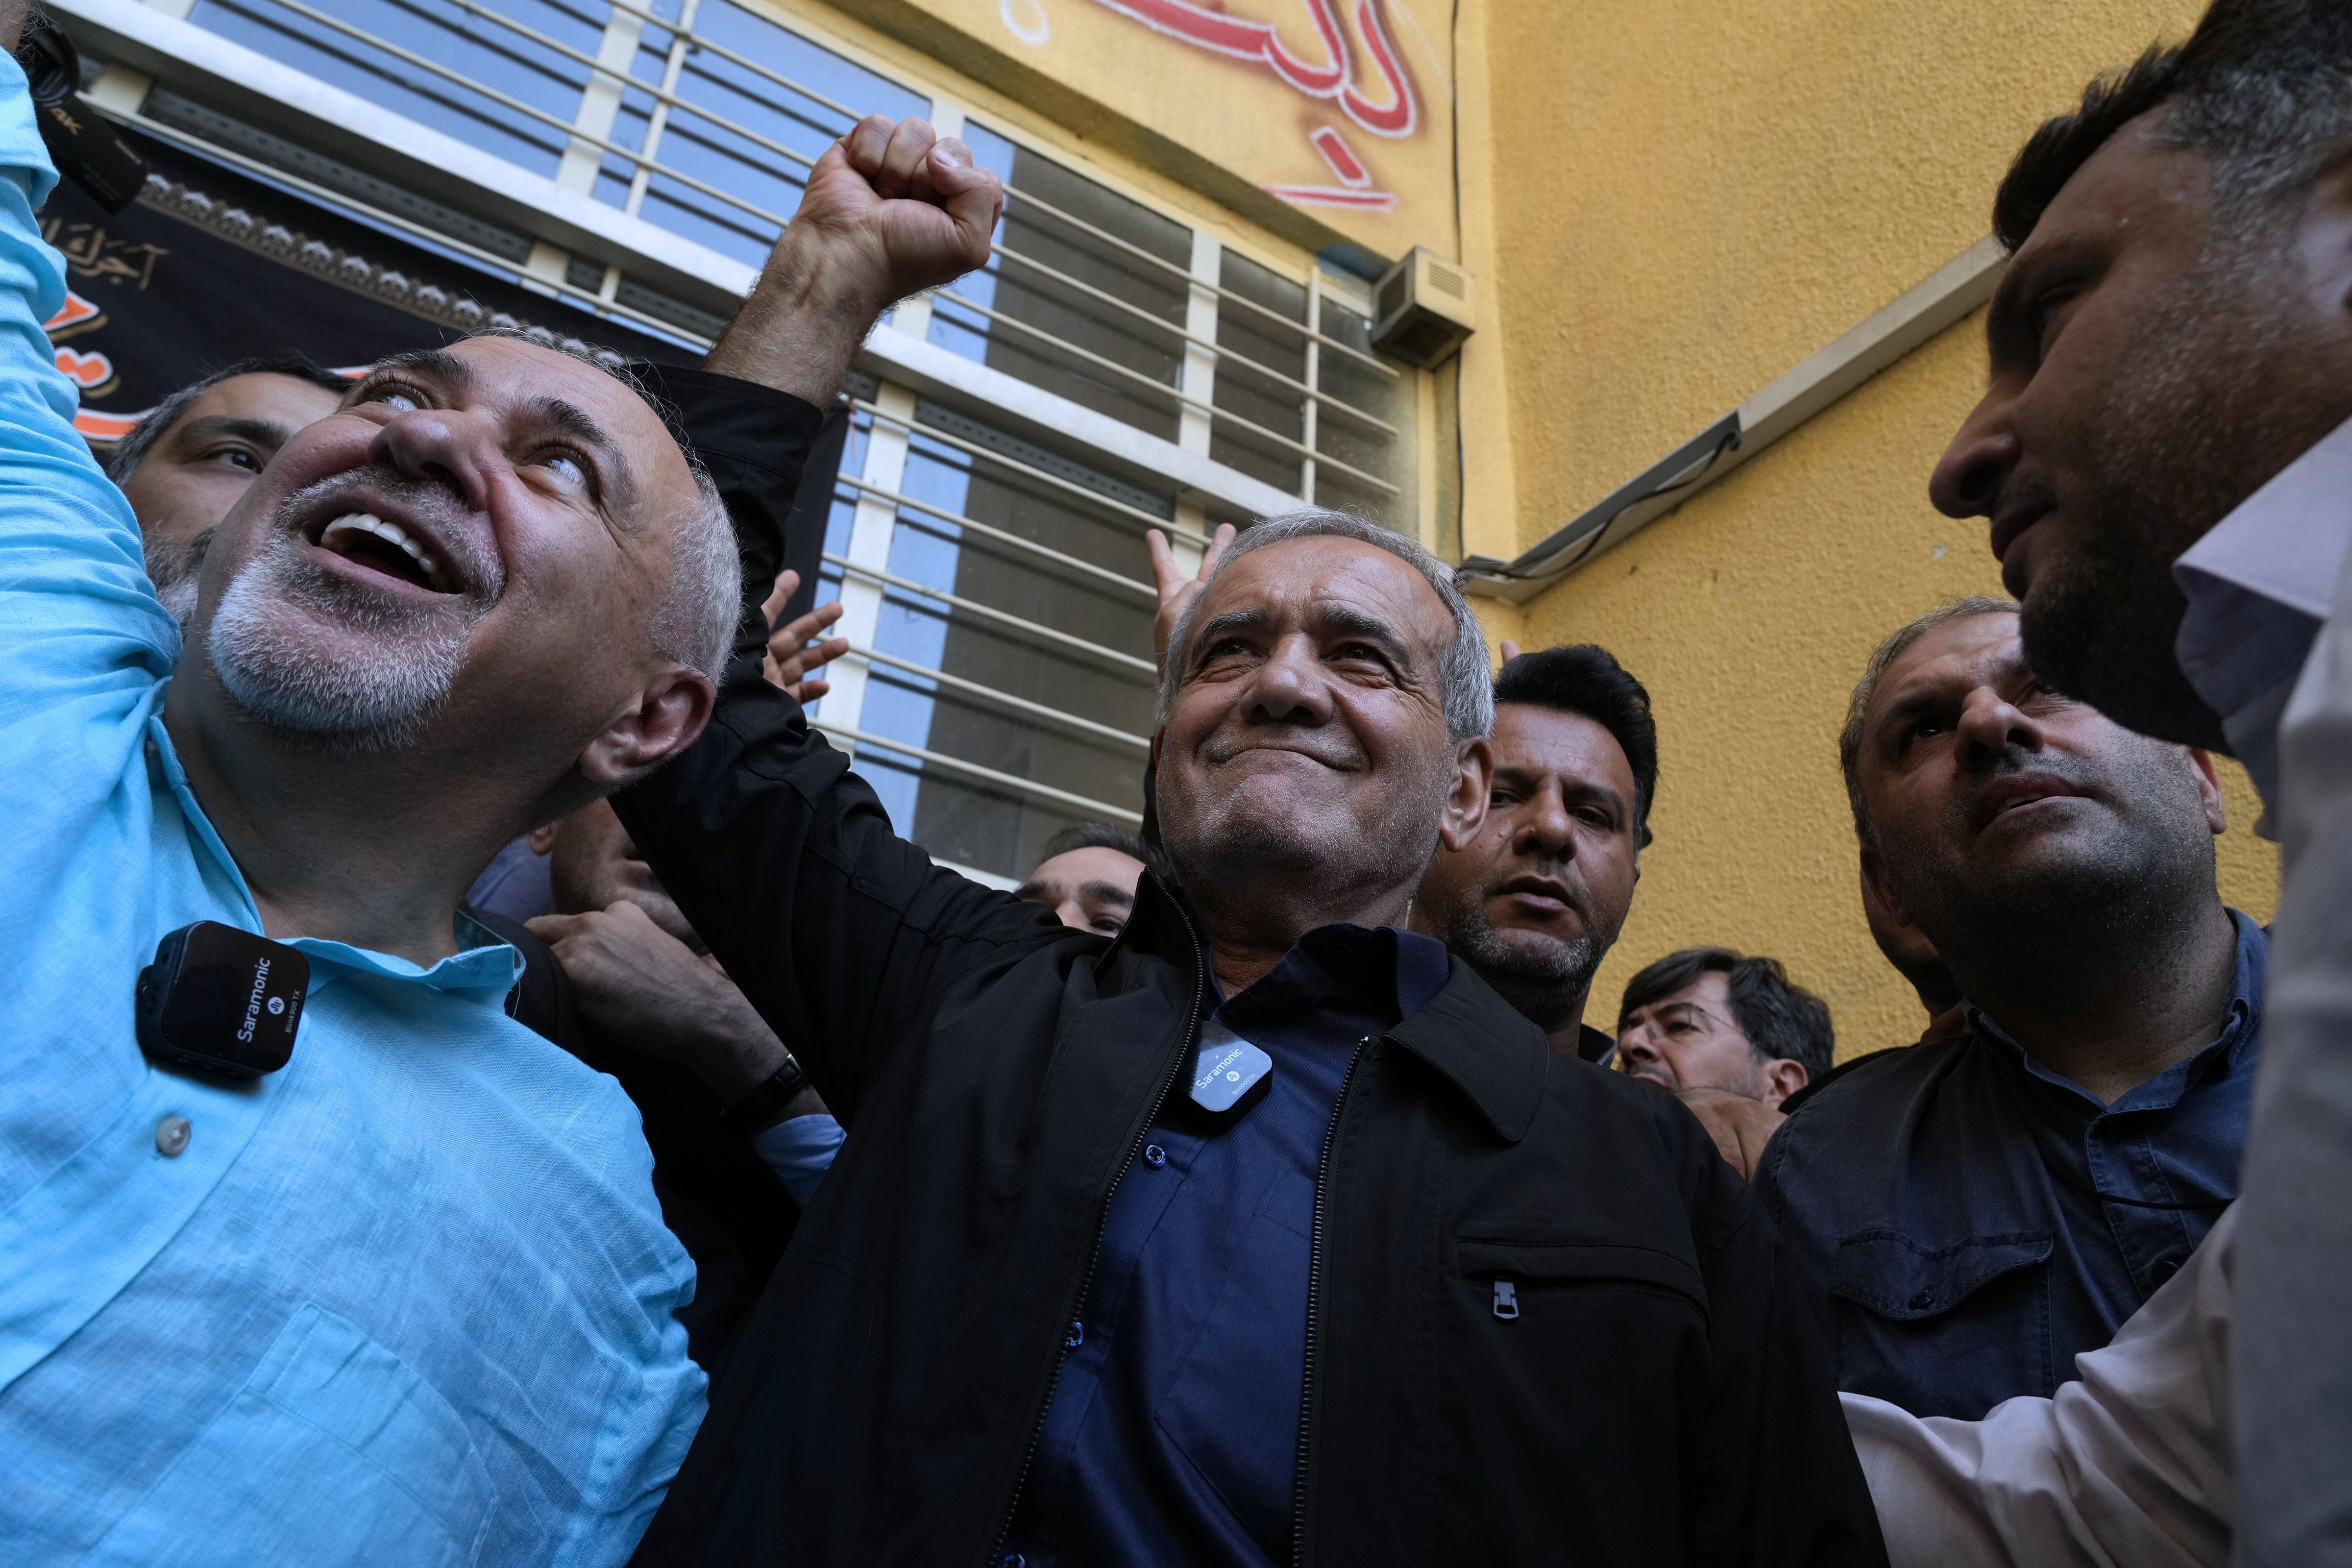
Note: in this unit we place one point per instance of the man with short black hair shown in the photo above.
(1978, 1210)
(2164, 450)
(183, 465)
(1707, 1017)
(1535, 902)
(1087, 876)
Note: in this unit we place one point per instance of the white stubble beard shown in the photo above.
(266, 648)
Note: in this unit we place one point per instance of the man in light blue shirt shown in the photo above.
(408, 1300)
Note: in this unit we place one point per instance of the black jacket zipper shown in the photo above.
(995, 1554)
(1313, 1291)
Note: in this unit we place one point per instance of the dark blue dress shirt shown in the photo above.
(1172, 1433)
(1978, 1221)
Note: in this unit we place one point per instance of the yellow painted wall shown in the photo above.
(1749, 614)
(1686, 199)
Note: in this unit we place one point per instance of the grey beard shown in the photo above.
(1542, 989)
(2137, 890)
(178, 599)
(175, 574)
(292, 686)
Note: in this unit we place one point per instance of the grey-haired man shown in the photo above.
(1263, 1230)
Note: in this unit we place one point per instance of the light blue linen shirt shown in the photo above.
(406, 1301)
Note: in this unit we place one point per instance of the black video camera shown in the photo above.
(83, 143)
(221, 1000)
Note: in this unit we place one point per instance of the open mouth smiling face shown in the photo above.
(385, 539)
(374, 542)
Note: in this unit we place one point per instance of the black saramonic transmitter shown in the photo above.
(221, 1000)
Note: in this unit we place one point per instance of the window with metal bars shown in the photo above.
(993, 567)
(1008, 688)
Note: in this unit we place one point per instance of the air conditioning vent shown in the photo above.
(1423, 310)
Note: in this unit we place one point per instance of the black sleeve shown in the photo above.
(836, 929)
(1781, 1486)
(543, 1000)
(756, 442)
(840, 932)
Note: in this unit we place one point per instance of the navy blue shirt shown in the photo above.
(1172, 1433)
(1978, 1221)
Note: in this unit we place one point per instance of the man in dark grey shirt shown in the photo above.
(1976, 1211)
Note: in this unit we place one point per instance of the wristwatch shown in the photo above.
(756, 1111)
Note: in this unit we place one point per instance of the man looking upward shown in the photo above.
(408, 1299)
(1980, 1209)
(2164, 453)
(1536, 901)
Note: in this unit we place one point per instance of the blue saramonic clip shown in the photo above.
(1226, 1068)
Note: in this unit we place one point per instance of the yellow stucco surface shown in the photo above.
(1682, 200)
(1749, 614)
(1705, 193)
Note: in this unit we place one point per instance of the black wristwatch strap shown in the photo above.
(753, 1113)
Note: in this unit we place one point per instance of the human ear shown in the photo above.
(1880, 890)
(2209, 785)
(1466, 802)
(1782, 1077)
(663, 720)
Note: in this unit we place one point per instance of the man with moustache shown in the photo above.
(408, 1299)
(2164, 452)
(1978, 1210)
(1260, 1232)
(1536, 901)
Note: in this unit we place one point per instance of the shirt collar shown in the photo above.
(2240, 1030)
(485, 971)
(2258, 583)
(1374, 969)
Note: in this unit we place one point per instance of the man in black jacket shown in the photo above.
(1263, 1231)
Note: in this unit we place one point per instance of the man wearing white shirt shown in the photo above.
(2164, 455)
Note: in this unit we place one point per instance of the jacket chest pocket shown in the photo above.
(1517, 1275)
(1949, 1330)
(1583, 1359)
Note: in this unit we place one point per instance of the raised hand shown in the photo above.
(913, 200)
(889, 210)
(794, 653)
(1176, 589)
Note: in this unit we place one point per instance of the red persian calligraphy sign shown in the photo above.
(1390, 108)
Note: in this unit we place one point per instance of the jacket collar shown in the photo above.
(1485, 1046)
(1490, 1050)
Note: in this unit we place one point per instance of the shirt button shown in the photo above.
(1154, 1156)
(171, 1136)
(1923, 1300)
(2165, 1268)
